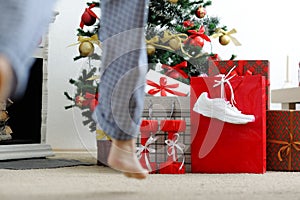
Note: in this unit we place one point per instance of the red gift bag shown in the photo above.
(221, 147)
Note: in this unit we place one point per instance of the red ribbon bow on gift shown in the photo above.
(174, 71)
(239, 71)
(146, 148)
(200, 32)
(174, 144)
(89, 11)
(163, 88)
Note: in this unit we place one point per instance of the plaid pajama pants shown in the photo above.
(124, 67)
(22, 26)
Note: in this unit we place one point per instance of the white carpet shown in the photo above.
(94, 182)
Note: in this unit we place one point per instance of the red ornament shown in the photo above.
(197, 41)
(200, 12)
(88, 100)
(88, 18)
(197, 37)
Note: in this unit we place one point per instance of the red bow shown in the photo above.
(176, 70)
(88, 10)
(239, 71)
(163, 88)
(200, 32)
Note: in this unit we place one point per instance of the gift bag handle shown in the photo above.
(150, 109)
(172, 109)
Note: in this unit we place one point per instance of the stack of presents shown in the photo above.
(220, 123)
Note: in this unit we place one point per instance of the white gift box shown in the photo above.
(161, 85)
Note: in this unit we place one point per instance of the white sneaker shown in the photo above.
(220, 109)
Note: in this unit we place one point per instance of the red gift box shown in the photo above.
(171, 168)
(173, 128)
(283, 140)
(221, 147)
(243, 67)
(148, 129)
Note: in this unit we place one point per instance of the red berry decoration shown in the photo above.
(188, 23)
(201, 12)
(88, 18)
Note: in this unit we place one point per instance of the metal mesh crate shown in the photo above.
(162, 108)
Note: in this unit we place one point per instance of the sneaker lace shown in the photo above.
(231, 107)
(222, 82)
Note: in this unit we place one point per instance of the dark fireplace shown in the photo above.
(25, 113)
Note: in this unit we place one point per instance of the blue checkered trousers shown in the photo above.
(21, 27)
(124, 63)
(124, 67)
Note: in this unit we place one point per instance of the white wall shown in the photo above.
(64, 128)
(265, 28)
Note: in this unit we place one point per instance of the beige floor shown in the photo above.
(94, 182)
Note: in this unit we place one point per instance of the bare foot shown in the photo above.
(6, 78)
(122, 157)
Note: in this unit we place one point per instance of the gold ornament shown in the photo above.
(150, 49)
(86, 48)
(220, 32)
(173, 1)
(175, 43)
(224, 40)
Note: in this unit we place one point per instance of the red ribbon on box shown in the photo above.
(173, 71)
(163, 88)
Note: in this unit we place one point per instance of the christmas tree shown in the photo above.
(176, 34)
(86, 95)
